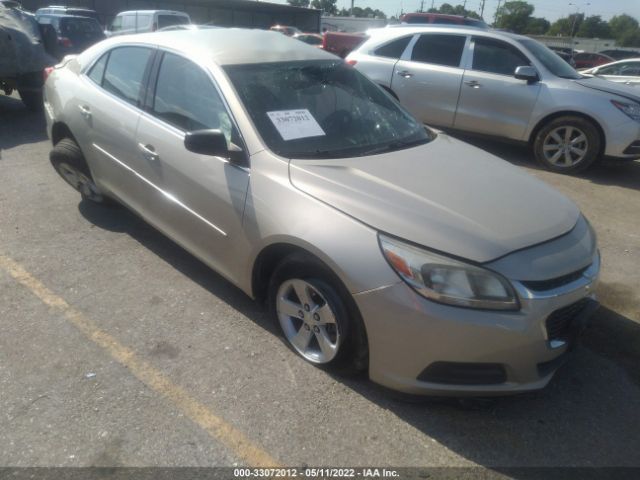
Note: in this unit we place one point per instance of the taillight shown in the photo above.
(352, 62)
(46, 72)
(65, 42)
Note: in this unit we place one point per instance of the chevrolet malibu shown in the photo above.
(376, 243)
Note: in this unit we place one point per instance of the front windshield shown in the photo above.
(322, 109)
(550, 59)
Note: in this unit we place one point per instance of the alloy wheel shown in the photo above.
(565, 146)
(80, 182)
(308, 321)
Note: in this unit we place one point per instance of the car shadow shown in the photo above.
(587, 416)
(620, 173)
(19, 126)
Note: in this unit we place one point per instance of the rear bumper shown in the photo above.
(424, 348)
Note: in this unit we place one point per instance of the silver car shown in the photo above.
(506, 85)
(624, 71)
(376, 243)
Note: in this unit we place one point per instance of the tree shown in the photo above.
(625, 30)
(567, 26)
(448, 9)
(515, 16)
(537, 26)
(327, 6)
(594, 27)
(299, 3)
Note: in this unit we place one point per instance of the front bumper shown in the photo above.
(410, 335)
(622, 139)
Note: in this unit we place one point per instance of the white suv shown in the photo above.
(143, 21)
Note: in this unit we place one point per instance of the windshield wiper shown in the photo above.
(314, 154)
(393, 146)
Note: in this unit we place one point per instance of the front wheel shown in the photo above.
(568, 144)
(315, 315)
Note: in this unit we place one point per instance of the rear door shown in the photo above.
(109, 109)
(200, 199)
(427, 79)
(492, 100)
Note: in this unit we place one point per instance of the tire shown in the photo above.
(68, 161)
(329, 299)
(568, 144)
(32, 99)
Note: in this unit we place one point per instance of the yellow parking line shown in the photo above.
(215, 426)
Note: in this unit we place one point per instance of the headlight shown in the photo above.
(446, 280)
(631, 110)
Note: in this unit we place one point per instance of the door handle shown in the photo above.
(473, 84)
(405, 74)
(148, 152)
(85, 112)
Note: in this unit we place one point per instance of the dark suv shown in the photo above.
(68, 34)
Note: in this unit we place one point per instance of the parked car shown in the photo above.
(377, 243)
(310, 38)
(590, 60)
(342, 43)
(287, 30)
(22, 55)
(142, 21)
(504, 85)
(441, 19)
(623, 71)
(62, 10)
(619, 54)
(69, 34)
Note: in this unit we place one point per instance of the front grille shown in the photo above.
(559, 323)
(544, 285)
(455, 373)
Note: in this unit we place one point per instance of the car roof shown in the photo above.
(64, 15)
(164, 12)
(376, 33)
(230, 46)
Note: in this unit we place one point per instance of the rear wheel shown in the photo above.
(568, 144)
(317, 319)
(67, 159)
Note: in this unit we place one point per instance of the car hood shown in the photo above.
(445, 195)
(607, 86)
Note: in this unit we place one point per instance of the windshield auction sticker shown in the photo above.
(293, 124)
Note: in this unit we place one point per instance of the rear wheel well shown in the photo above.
(59, 131)
(553, 116)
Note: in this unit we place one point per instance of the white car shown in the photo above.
(624, 71)
(144, 21)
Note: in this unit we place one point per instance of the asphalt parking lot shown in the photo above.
(118, 348)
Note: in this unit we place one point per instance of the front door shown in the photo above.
(202, 200)
(428, 81)
(492, 101)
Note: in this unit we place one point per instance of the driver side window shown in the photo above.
(186, 98)
(495, 56)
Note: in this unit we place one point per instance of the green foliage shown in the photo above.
(567, 26)
(594, 27)
(448, 9)
(515, 16)
(299, 3)
(367, 12)
(625, 30)
(537, 26)
(327, 6)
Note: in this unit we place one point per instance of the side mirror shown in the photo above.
(527, 73)
(207, 142)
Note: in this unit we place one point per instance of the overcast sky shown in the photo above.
(551, 9)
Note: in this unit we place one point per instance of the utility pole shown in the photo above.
(351, 11)
(432, 2)
(421, 6)
(482, 8)
(495, 17)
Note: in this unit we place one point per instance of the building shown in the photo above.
(228, 13)
(578, 43)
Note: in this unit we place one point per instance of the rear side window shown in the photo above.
(494, 56)
(187, 98)
(393, 49)
(129, 22)
(125, 72)
(97, 71)
(439, 49)
(117, 24)
(170, 20)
